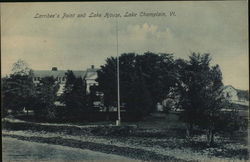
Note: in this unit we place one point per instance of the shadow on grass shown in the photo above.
(109, 149)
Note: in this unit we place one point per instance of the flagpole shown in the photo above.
(118, 78)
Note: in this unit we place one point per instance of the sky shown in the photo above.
(216, 27)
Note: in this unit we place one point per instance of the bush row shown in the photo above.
(90, 116)
(100, 130)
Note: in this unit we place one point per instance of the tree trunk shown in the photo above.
(107, 115)
(187, 133)
(27, 112)
(189, 129)
(210, 137)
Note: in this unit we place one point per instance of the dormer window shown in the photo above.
(54, 69)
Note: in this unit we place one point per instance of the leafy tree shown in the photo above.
(107, 81)
(74, 95)
(200, 87)
(139, 100)
(46, 95)
(92, 96)
(9, 96)
(159, 73)
(243, 95)
(21, 68)
(18, 89)
(144, 80)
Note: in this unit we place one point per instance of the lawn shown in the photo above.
(153, 139)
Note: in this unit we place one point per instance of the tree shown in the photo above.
(107, 81)
(21, 68)
(159, 73)
(200, 87)
(7, 97)
(243, 95)
(92, 97)
(46, 95)
(18, 89)
(144, 80)
(139, 100)
(74, 95)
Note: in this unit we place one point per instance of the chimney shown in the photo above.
(54, 68)
(92, 66)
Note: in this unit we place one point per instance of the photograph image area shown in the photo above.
(125, 81)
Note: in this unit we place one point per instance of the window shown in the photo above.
(229, 95)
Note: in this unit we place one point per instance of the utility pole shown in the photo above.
(118, 122)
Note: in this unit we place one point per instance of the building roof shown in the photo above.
(229, 86)
(243, 94)
(89, 73)
(58, 73)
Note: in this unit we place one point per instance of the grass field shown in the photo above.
(153, 139)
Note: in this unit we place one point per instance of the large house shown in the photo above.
(235, 95)
(89, 76)
(238, 97)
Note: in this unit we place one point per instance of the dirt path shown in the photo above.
(138, 154)
(14, 149)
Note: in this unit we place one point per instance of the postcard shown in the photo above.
(125, 81)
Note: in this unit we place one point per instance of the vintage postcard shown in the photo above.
(125, 81)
